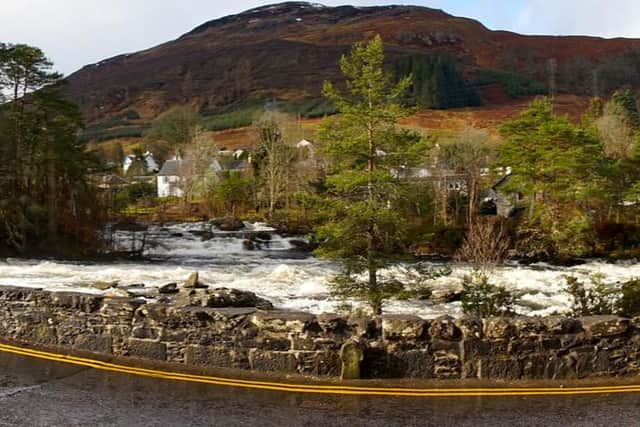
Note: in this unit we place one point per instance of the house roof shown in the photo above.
(113, 180)
(236, 165)
(171, 168)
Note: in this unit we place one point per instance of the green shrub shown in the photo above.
(594, 300)
(133, 193)
(628, 304)
(483, 299)
(99, 134)
(514, 84)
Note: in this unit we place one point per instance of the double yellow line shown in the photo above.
(318, 389)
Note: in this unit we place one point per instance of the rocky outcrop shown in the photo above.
(227, 328)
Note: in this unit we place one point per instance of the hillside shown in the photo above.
(284, 52)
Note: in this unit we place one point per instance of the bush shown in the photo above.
(595, 300)
(133, 193)
(483, 299)
(98, 134)
(514, 84)
(628, 304)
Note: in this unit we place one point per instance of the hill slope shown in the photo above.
(286, 51)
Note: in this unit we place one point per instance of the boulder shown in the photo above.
(395, 327)
(220, 298)
(285, 322)
(193, 282)
(169, 288)
(302, 245)
(447, 294)
(605, 326)
(445, 328)
(498, 328)
(223, 297)
(103, 286)
(228, 224)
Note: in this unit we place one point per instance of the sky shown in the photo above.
(74, 33)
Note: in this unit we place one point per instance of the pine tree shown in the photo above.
(365, 150)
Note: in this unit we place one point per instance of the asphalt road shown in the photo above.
(40, 393)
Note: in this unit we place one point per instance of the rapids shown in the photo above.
(279, 272)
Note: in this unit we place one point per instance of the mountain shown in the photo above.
(285, 51)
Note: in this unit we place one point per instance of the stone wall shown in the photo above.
(291, 342)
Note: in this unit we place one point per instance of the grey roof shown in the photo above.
(171, 168)
(177, 167)
(236, 165)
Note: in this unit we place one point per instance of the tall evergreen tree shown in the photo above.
(556, 165)
(365, 229)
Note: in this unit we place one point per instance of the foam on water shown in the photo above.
(286, 277)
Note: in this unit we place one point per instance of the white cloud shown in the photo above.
(613, 18)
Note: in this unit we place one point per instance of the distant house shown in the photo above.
(170, 179)
(112, 182)
(502, 201)
(151, 164)
(447, 179)
(304, 144)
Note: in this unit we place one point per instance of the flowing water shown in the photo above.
(278, 272)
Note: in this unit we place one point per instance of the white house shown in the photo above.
(170, 178)
(150, 162)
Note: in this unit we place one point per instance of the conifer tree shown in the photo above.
(365, 150)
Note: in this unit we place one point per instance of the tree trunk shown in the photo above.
(51, 197)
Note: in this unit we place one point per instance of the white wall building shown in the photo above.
(150, 162)
(170, 179)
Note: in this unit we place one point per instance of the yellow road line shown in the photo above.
(319, 389)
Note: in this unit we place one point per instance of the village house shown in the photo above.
(171, 178)
(151, 165)
(446, 179)
(503, 201)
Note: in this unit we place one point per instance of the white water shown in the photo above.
(285, 277)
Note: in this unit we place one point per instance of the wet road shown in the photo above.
(39, 393)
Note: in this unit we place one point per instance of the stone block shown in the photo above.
(446, 365)
(273, 343)
(412, 364)
(445, 328)
(146, 349)
(398, 327)
(470, 327)
(528, 327)
(502, 368)
(216, 356)
(498, 328)
(605, 326)
(558, 325)
(273, 361)
(96, 343)
(474, 348)
(284, 322)
(444, 345)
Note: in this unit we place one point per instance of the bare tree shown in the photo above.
(197, 173)
(617, 135)
(275, 157)
(485, 245)
(471, 155)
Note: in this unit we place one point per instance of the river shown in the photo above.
(290, 279)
